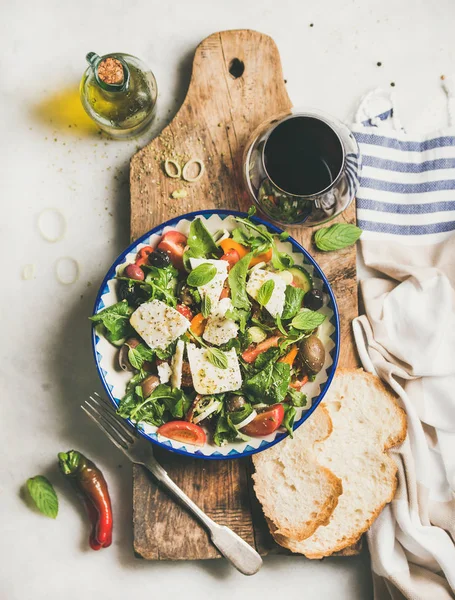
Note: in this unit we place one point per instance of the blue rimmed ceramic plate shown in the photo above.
(114, 380)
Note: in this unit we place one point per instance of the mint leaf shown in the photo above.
(336, 237)
(217, 358)
(265, 292)
(281, 260)
(307, 320)
(237, 283)
(279, 324)
(292, 301)
(201, 275)
(138, 355)
(206, 306)
(43, 495)
(200, 242)
(116, 319)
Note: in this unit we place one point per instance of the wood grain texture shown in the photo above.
(214, 123)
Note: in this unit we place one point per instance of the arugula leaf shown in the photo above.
(265, 292)
(252, 211)
(289, 417)
(138, 355)
(271, 384)
(163, 283)
(281, 260)
(238, 416)
(217, 358)
(237, 283)
(297, 398)
(116, 320)
(166, 353)
(201, 275)
(272, 354)
(336, 237)
(262, 325)
(292, 301)
(224, 431)
(200, 242)
(279, 324)
(43, 495)
(206, 306)
(163, 404)
(240, 316)
(307, 320)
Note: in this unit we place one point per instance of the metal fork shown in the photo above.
(139, 451)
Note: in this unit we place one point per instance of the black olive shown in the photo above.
(159, 259)
(312, 354)
(314, 299)
(132, 293)
(185, 296)
(235, 403)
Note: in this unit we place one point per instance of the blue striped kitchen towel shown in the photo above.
(407, 187)
(406, 208)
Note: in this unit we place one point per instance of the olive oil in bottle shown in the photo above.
(119, 93)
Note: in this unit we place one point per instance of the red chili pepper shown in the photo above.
(91, 486)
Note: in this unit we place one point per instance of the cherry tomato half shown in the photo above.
(174, 243)
(182, 431)
(232, 257)
(185, 311)
(266, 422)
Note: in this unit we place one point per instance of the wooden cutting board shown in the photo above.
(237, 82)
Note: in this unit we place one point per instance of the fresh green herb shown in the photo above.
(239, 315)
(166, 353)
(289, 417)
(279, 324)
(252, 211)
(206, 306)
(336, 237)
(265, 292)
(259, 239)
(225, 430)
(43, 495)
(294, 336)
(237, 283)
(240, 415)
(283, 236)
(138, 355)
(201, 275)
(270, 355)
(307, 320)
(292, 301)
(269, 385)
(217, 358)
(162, 283)
(297, 398)
(200, 243)
(262, 325)
(162, 405)
(116, 320)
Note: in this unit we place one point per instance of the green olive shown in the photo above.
(235, 403)
(312, 354)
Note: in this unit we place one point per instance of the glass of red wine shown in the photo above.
(302, 168)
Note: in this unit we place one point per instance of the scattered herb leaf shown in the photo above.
(43, 495)
(307, 320)
(336, 237)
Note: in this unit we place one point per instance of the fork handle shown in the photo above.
(242, 556)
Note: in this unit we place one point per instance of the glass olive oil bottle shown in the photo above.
(119, 93)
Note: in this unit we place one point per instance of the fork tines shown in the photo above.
(102, 412)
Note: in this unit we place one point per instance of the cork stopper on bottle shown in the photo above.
(110, 70)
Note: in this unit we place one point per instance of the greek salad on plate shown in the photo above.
(215, 335)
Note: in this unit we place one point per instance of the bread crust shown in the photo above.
(397, 437)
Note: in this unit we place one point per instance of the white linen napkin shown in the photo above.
(406, 207)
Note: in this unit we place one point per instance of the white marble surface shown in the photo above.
(46, 364)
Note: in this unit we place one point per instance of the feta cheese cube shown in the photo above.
(158, 324)
(177, 365)
(208, 379)
(257, 278)
(164, 372)
(219, 330)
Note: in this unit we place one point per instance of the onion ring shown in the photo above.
(68, 263)
(167, 169)
(59, 224)
(187, 166)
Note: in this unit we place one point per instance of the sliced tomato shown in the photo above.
(174, 243)
(232, 257)
(182, 431)
(251, 353)
(184, 310)
(266, 422)
(299, 383)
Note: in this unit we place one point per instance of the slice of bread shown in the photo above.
(367, 421)
(297, 494)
